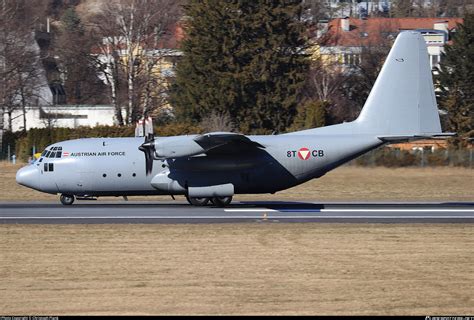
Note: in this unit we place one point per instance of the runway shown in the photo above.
(100, 212)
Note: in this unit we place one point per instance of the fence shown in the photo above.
(390, 157)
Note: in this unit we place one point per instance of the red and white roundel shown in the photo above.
(304, 153)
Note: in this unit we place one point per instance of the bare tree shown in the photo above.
(19, 58)
(133, 35)
(218, 121)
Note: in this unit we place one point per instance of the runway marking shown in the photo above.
(349, 210)
(250, 210)
(234, 217)
(397, 210)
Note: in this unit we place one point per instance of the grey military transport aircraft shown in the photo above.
(212, 167)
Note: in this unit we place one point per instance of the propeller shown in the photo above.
(148, 147)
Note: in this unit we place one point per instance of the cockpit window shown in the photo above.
(53, 152)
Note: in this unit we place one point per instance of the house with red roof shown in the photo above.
(343, 39)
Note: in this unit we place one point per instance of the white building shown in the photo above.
(67, 116)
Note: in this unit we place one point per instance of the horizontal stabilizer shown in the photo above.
(397, 139)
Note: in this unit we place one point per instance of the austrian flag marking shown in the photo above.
(303, 153)
(65, 154)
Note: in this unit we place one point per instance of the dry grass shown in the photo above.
(342, 184)
(265, 268)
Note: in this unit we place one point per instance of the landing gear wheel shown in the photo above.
(198, 201)
(66, 199)
(221, 201)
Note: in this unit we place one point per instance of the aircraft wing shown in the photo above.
(226, 143)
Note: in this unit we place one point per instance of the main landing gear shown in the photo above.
(217, 201)
(67, 199)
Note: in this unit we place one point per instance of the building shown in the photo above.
(430, 144)
(65, 116)
(345, 8)
(342, 40)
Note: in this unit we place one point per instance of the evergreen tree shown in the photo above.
(311, 114)
(456, 82)
(402, 8)
(71, 21)
(244, 58)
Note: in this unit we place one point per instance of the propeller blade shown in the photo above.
(148, 148)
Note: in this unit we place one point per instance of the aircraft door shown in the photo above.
(86, 182)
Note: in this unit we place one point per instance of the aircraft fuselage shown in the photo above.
(115, 166)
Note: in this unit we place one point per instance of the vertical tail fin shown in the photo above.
(402, 101)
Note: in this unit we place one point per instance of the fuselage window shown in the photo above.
(51, 166)
(45, 167)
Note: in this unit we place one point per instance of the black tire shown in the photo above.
(67, 199)
(221, 201)
(200, 202)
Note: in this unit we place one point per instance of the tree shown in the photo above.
(76, 63)
(311, 114)
(243, 58)
(324, 84)
(402, 8)
(19, 58)
(131, 34)
(455, 82)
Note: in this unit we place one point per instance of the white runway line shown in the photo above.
(349, 210)
(231, 217)
(251, 210)
(397, 210)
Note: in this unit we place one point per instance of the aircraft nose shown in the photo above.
(29, 176)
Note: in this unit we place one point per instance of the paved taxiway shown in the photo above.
(180, 212)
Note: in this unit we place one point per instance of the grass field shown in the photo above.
(260, 268)
(348, 183)
(266, 268)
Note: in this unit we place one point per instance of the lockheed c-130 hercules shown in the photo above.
(212, 167)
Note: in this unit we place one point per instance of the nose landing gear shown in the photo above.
(66, 199)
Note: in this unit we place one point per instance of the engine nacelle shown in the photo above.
(164, 183)
(175, 147)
